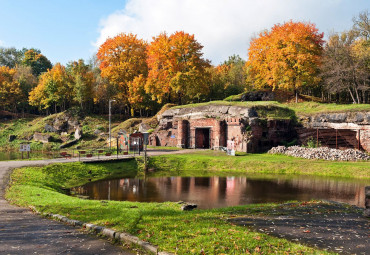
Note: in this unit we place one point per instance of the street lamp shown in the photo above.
(110, 114)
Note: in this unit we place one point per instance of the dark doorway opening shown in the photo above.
(202, 138)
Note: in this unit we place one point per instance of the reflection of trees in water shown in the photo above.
(225, 191)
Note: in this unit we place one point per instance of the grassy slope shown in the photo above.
(163, 224)
(299, 108)
(26, 127)
(215, 161)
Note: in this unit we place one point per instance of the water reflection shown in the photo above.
(13, 155)
(214, 192)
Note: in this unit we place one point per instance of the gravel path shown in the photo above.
(328, 226)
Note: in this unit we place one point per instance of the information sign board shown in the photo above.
(25, 147)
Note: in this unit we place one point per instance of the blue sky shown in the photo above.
(73, 29)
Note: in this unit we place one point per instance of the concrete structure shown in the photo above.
(337, 130)
(210, 127)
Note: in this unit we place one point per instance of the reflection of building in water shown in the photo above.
(210, 192)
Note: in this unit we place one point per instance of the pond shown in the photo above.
(216, 192)
(13, 155)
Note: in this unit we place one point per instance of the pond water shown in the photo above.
(12, 155)
(216, 192)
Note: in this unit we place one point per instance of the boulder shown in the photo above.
(78, 133)
(188, 207)
(144, 127)
(49, 128)
(44, 138)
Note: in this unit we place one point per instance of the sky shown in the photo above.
(69, 30)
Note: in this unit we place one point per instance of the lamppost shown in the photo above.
(110, 114)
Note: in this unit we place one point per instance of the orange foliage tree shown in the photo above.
(10, 91)
(287, 57)
(122, 58)
(177, 71)
(54, 88)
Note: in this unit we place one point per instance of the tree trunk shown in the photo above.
(350, 92)
(296, 95)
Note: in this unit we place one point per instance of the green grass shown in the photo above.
(24, 128)
(162, 224)
(219, 162)
(305, 108)
(311, 108)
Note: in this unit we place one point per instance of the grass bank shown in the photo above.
(163, 224)
(302, 108)
(215, 161)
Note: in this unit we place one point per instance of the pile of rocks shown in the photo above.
(321, 153)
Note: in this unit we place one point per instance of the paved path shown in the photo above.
(22, 232)
(328, 226)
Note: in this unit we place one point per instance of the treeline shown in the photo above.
(141, 76)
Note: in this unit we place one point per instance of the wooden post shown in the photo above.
(367, 202)
(336, 138)
(317, 137)
(359, 139)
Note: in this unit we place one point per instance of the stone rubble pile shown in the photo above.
(321, 153)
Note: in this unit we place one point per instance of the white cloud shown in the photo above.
(2, 43)
(223, 27)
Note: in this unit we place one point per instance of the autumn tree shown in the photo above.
(122, 59)
(286, 57)
(346, 63)
(10, 91)
(177, 70)
(38, 62)
(53, 89)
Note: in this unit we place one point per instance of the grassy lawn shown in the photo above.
(164, 224)
(219, 162)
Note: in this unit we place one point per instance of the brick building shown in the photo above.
(210, 127)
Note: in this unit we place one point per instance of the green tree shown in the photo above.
(11, 57)
(38, 62)
(27, 81)
(82, 83)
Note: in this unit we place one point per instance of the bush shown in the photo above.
(312, 143)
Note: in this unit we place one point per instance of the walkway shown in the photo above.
(328, 226)
(22, 232)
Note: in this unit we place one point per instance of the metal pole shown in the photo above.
(110, 103)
